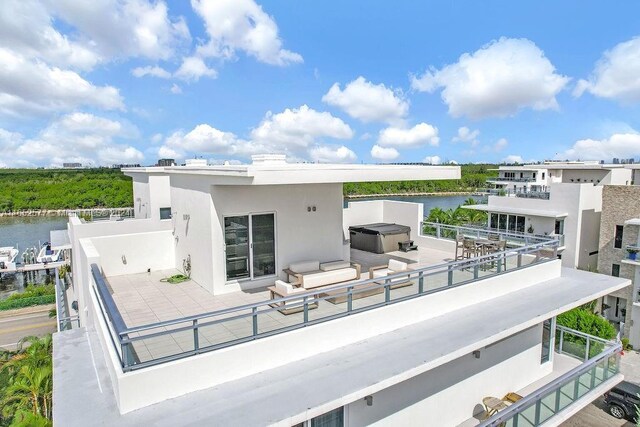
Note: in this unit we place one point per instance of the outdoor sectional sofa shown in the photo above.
(314, 274)
(307, 275)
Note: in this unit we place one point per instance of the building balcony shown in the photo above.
(153, 322)
(544, 195)
(631, 256)
(505, 179)
(584, 368)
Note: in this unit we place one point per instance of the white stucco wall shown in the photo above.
(300, 235)
(448, 395)
(159, 194)
(141, 196)
(135, 253)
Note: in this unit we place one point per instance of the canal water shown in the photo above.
(429, 202)
(25, 233)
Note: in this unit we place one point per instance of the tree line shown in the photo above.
(472, 178)
(30, 189)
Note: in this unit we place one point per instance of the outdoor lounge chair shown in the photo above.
(393, 267)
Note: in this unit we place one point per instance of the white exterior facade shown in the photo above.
(429, 358)
(571, 206)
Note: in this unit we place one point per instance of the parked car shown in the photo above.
(622, 400)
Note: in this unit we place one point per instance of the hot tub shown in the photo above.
(379, 237)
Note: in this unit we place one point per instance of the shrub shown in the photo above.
(9, 304)
(584, 321)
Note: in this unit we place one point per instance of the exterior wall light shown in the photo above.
(476, 354)
(369, 400)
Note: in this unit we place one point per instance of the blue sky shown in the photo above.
(133, 81)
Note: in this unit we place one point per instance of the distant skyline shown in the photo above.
(133, 81)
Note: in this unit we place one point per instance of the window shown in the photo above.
(546, 341)
(542, 175)
(250, 249)
(615, 270)
(617, 240)
(333, 418)
(165, 213)
(520, 224)
(559, 227)
(493, 221)
(521, 175)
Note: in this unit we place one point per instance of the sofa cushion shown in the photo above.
(324, 278)
(304, 266)
(283, 287)
(396, 265)
(334, 265)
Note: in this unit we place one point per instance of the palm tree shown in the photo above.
(26, 395)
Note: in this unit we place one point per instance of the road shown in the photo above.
(21, 323)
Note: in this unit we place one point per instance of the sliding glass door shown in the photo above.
(250, 246)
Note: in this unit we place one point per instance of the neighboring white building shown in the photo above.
(564, 200)
(424, 345)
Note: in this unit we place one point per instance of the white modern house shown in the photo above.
(283, 323)
(558, 198)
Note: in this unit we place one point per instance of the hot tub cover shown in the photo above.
(381, 228)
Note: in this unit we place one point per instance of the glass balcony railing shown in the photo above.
(507, 179)
(525, 194)
(201, 333)
(601, 363)
(513, 238)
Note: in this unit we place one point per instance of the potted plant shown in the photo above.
(633, 253)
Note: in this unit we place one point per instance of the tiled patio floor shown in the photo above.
(144, 299)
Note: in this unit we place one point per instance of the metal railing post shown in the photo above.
(605, 375)
(586, 352)
(387, 290)
(349, 299)
(254, 320)
(476, 269)
(576, 387)
(536, 421)
(557, 405)
(519, 259)
(561, 340)
(306, 309)
(420, 282)
(593, 377)
(196, 342)
(438, 230)
(450, 275)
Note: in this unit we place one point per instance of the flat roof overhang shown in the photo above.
(318, 382)
(518, 211)
(303, 173)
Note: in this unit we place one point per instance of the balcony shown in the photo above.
(631, 256)
(513, 238)
(544, 195)
(505, 179)
(150, 322)
(571, 390)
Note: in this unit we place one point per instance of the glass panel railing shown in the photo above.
(550, 400)
(151, 344)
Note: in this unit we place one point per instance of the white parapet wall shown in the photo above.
(199, 372)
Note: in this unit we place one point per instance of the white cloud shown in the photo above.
(497, 80)
(512, 158)
(175, 89)
(467, 135)
(154, 71)
(26, 27)
(81, 137)
(433, 160)
(368, 102)
(125, 28)
(420, 134)
(500, 144)
(616, 74)
(621, 145)
(241, 25)
(28, 86)
(325, 154)
(382, 153)
(296, 132)
(202, 139)
(299, 128)
(193, 68)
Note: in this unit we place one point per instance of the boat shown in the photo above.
(8, 256)
(47, 254)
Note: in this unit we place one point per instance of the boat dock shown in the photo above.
(26, 268)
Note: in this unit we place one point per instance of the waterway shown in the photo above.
(429, 202)
(25, 233)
